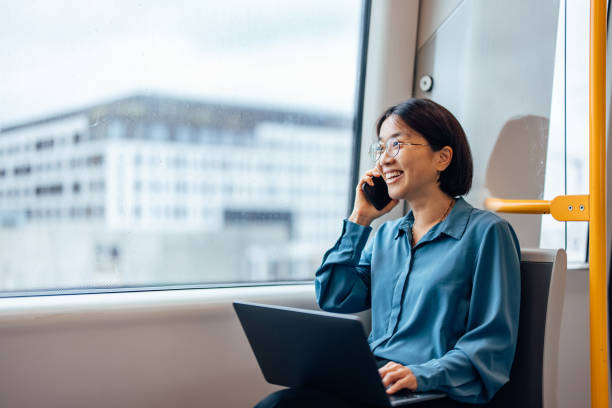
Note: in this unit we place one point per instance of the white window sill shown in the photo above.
(577, 266)
(38, 306)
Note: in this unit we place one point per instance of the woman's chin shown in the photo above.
(395, 193)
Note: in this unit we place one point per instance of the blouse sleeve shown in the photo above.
(481, 360)
(342, 282)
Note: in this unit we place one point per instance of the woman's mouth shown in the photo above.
(392, 176)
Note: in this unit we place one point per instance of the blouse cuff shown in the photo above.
(427, 375)
(354, 237)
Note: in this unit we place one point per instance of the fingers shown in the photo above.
(369, 175)
(393, 377)
(402, 383)
(374, 172)
(368, 178)
(391, 374)
(362, 181)
(363, 209)
(396, 377)
(390, 366)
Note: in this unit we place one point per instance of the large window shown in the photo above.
(153, 144)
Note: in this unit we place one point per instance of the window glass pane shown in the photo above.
(568, 149)
(577, 117)
(148, 144)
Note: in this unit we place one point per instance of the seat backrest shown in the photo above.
(533, 378)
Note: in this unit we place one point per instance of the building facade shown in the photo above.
(182, 176)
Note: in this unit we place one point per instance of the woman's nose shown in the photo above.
(385, 158)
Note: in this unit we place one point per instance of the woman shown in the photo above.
(443, 282)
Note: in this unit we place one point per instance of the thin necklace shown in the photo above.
(447, 211)
(442, 218)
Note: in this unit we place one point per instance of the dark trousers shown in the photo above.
(310, 398)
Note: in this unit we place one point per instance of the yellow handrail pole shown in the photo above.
(597, 202)
(518, 206)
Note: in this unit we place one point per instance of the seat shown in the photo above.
(533, 377)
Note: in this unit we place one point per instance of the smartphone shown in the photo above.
(378, 194)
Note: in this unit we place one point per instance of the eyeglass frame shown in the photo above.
(399, 144)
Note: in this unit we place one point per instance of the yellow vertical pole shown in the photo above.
(597, 222)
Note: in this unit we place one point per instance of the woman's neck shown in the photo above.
(429, 209)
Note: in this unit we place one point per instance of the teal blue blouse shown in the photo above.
(447, 308)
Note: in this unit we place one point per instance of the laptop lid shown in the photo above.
(308, 348)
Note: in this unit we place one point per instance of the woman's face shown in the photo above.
(414, 171)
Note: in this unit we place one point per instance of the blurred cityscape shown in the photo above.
(156, 190)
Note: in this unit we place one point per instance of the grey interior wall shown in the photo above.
(66, 352)
(492, 66)
(432, 14)
(390, 65)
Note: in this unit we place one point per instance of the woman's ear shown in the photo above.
(445, 156)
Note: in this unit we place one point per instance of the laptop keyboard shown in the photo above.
(402, 396)
(405, 397)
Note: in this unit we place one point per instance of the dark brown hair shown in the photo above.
(440, 128)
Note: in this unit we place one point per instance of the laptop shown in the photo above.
(320, 350)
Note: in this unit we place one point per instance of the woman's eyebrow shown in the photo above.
(396, 135)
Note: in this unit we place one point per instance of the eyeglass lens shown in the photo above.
(378, 149)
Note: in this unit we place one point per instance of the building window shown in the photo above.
(98, 212)
(44, 144)
(96, 160)
(116, 129)
(51, 189)
(22, 170)
(97, 186)
(158, 131)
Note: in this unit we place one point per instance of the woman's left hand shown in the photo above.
(396, 377)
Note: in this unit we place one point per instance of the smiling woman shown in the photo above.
(424, 122)
(443, 282)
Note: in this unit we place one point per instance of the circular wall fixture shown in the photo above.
(426, 83)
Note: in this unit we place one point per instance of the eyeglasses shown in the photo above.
(391, 148)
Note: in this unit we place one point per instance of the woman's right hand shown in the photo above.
(363, 211)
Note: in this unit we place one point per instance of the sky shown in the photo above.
(61, 54)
